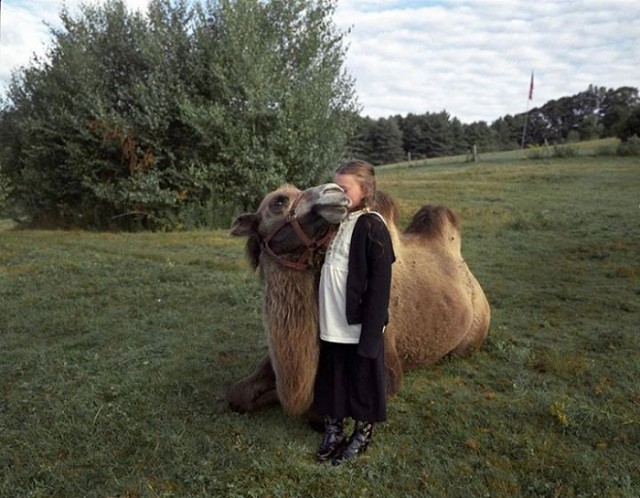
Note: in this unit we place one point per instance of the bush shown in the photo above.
(565, 151)
(157, 121)
(630, 147)
(545, 152)
(606, 150)
(537, 152)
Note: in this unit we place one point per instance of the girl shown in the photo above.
(355, 284)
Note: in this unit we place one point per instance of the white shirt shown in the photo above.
(333, 285)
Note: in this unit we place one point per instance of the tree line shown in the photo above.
(187, 114)
(597, 112)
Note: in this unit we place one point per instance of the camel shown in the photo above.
(437, 306)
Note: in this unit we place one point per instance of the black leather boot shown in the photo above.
(358, 443)
(333, 439)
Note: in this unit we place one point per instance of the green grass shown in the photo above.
(116, 351)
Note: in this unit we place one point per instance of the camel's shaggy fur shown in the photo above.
(437, 306)
(290, 306)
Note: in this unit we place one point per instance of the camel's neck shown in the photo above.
(290, 298)
(291, 285)
(290, 317)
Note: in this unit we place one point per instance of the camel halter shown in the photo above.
(311, 245)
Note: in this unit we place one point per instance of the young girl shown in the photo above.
(354, 290)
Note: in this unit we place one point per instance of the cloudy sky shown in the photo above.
(472, 58)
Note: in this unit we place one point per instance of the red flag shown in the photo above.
(531, 87)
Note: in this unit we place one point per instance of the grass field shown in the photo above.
(116, 351)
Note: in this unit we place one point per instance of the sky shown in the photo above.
(472, 58)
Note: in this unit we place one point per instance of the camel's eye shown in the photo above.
(279, 203)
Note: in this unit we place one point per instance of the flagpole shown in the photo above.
(526, 114)
(524, 128)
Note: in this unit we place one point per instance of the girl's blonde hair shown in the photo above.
(366, 175)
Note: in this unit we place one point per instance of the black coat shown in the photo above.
(369, 282)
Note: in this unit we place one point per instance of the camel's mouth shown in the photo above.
(334, 204)
(333, 214)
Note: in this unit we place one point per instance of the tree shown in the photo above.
(440, 137)
(429, 134)
(53, 144)
(457, 130)
(590, 128)
(168, 118)
(616, 108)
(377, 141)
(508, 132)
(631, 127)
(387, 142)
(479, 134)
(360, 144)
(413, 136)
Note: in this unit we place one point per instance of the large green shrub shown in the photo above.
(630, 147)
(180, 116)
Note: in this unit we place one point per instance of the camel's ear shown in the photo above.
(245, 225)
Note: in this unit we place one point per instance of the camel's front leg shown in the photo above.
(255, 391)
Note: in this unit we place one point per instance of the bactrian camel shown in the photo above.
(437, 306)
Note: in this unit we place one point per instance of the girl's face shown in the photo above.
(353, 189)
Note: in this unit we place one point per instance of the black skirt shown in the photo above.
(349, 385)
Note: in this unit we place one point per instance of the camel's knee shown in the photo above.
(470, 342)
(239, 398)
(243, 397)
(254, 392)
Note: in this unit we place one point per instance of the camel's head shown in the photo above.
(289, 223)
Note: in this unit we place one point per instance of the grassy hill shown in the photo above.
(116, 351)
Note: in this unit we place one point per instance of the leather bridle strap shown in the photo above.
(304, 261)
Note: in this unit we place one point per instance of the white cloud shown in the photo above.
(471, 57)
(25, 29)
(23, 33)
(474, 58)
